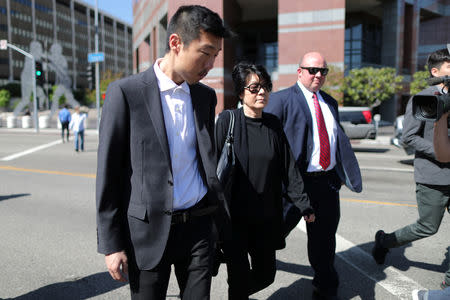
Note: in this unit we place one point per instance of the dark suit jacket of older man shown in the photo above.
(291, 108)
(134, 175)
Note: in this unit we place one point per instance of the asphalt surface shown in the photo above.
(48, 237)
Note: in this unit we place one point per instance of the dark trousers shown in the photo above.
(64, 126)
(244, 277)
(323, 193)
(189, 249)
(432, 201)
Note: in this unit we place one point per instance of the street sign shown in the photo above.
(3, 44)
(96, 57)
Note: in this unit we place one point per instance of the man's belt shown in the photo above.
(320, 173)
(186, 215)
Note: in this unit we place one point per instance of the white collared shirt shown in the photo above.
(188, 186)
(330, 123)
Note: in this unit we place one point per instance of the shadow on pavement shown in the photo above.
(407, 161)
(12, 196)
(301, 289)
(370, 150)
(79, 288)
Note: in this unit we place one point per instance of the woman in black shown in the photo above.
(265, 171)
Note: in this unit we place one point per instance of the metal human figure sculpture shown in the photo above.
(26, 80)
(58, 64)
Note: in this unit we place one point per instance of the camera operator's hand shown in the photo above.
(441, 140)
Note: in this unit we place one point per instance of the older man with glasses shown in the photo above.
(323, 152)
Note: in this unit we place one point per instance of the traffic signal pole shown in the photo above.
(97, 68)
(33, 71)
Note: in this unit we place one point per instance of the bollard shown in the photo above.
(43, 121)
(26, 122)
(11, 122)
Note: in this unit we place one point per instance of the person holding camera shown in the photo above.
(432, 176)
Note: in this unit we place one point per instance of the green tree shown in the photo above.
(370, 86)
(419, 81)
(106, 79)
(4, 98)
(333, 83)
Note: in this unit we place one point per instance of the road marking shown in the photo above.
(10, 168)
(14, 156)
(387, 169)
(378, 202)
(389, 278)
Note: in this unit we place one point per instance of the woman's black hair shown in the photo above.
(240, 74)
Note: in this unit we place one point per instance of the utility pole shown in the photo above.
(97, 68)
(3, 46)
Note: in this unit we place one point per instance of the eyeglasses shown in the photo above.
(313, 71)
(254, 88)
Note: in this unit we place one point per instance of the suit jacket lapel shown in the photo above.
(152, 98)
(304, 105)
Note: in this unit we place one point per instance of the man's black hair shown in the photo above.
(437, 58)
(240, 74)
(189, 20)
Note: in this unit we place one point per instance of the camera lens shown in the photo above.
(428, 110)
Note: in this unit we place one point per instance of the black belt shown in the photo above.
(186, 215)
(320, 173)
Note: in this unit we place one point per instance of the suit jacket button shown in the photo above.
(170, 182)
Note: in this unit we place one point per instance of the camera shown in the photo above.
(431, 107)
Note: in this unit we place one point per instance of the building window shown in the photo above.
(271, 56)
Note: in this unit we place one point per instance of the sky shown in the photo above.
(121, 9)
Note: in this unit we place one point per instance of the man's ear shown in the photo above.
(175, 42)
(435, 72)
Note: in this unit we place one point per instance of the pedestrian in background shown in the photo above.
(64, 119)
(432, 177)
(326, 160)
(264, 163)
(77, 125)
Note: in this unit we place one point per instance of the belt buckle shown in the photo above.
(184, 216)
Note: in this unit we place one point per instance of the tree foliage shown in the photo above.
(4, 98)
(370, 86)
(419, 81)
(333, 83)
(106, 79)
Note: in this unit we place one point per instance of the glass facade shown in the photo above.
(362, 44)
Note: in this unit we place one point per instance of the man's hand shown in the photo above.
(441, 140)
(309, 218)
(117, 264)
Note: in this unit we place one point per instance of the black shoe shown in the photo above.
(379, 252)
(444, 285)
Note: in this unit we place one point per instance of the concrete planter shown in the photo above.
(43, 122)
(26, 122)
(11, 122)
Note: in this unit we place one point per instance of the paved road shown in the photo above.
(48, 239)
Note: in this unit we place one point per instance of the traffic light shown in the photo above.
(39, 73)
(90, 75)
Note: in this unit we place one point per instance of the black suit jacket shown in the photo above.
(286, 179)
(290, 106)
(134, 188)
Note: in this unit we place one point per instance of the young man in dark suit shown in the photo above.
(432, 177)
(156, 180)
(326, 160)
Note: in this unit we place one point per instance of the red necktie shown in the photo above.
(323, 135)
